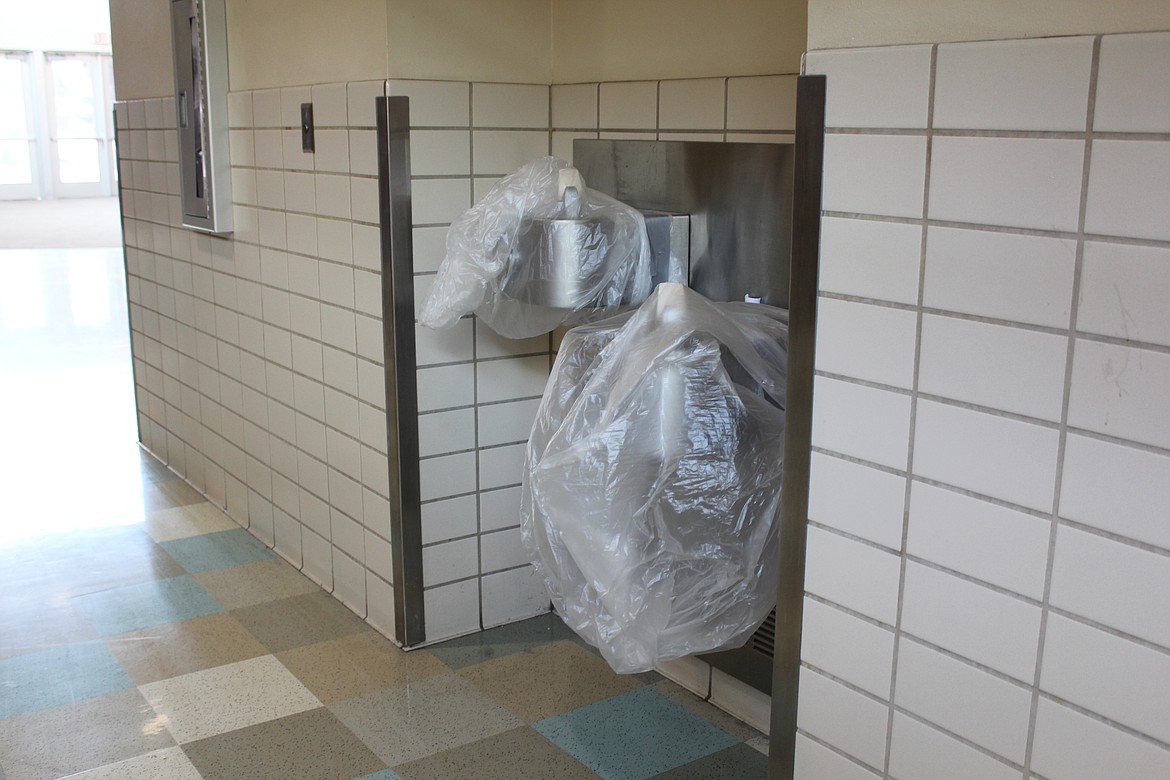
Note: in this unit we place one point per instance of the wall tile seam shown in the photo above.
(1114, 536)
(877, 773)
(959, 738)
(464, 494)
(486, 572)
(1117, 633)
(486, 359)
(1105, 720)
(466, 450)
(872, 621)
(959, 315)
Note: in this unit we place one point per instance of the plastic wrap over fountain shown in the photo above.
(652, 482)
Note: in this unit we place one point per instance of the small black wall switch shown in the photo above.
(307, 127)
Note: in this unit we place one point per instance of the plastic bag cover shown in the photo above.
(651, 489)
(527, 259)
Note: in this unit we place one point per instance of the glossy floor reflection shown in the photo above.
(143, 634)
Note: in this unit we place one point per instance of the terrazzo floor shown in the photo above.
(143, 634)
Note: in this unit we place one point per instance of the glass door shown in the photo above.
(18, 144)
(80, 131)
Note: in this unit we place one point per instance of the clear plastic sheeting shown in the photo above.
(541, 250)
(651, 490)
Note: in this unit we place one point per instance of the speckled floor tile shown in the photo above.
(299, 620)
(40, 625)
(165, 525)
(214, 701)
(385, 774)
(58, 675)
(738, 762)
(310, 744)
(503, 640)
(216, 551)
(707, 711)
(167, 764)
(634, 735)
(131, 607)
(570, 677)
(519, 754)
(170, 493)
(420, 719)
(174, 649)
(356, 665)
(255, 583)
(71, 738)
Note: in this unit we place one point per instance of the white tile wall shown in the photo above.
(847, 647)
(875, 343)
(816, 760)
(1038, 249)
(842, 717)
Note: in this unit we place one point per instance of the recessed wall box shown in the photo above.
(199, 31)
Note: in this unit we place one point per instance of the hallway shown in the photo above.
(143, 634)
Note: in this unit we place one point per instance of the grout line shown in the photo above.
(1062, 442)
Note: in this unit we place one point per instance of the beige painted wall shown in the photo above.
(141, 42)
(280, 43)
(847, 23)
(620, 40)
(483, 40)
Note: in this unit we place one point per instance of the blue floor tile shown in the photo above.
(132, 607)
(59, 675)
(385, 774)
(217, 550)
(633, 736)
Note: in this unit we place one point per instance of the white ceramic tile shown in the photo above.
(842, 717)
(506, 423)
(240, 109)
(1001, 458)
(1106, 674)
(268, 149)
(690, 672)
(502, 550)
(489, 344)
(917, 752)
(330, 105)
(1112, 583)
(847, 647)
(291, 99)
(872, 507)
(691, 104)
(444, 432)
(335, 237)
(886, 87)
(1130, 96)
(628, 105)
(1040, 84)
(338, 328)
(500, 152)
(971, 703)
(364, 199)
(1001, 367)
(499, 508)
(430, 247)
(862, 341)
(1004, 275)
(435, 201)
(871, 259)
(266, 108)
(741, 700)
(451, 610)
(349, 582)
(814, 761)
(512, 378)
(997, 631)
(872, 587)
(363, 152)
(435, 103)
(380, 604)
(204, 703)
(445, 387)
(1121, 392)
(1015, 182)
(450, 561)
(449, 475)
(449, 519)
(573, 105)
(1123, 292)
(1129, 189)
(854, 164)
(360, 96)
(860, 421)
(242, 147)
(509, 105)
(367, 292)
(1117, 489)
(513, 595)
(562, 142)
(450, 345)
(295, 157)
(440, 153)
(501, 466)
(481, 186)
(332, 193)
(1073, 746)
(761, 103)
(992, 543)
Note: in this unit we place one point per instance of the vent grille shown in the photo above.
(764, 640)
